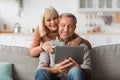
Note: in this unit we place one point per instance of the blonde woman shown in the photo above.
(49, 32)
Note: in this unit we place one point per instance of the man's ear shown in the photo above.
(74, 28)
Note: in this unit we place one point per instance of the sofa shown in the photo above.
(105, 62)
(23, 65)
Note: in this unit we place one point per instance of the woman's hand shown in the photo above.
(48, 48)
(75, 42)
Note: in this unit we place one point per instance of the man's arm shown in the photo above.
(44, 59)
(59, 68)
(86, 62)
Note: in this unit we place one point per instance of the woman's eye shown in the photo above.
(48, 20)
(62, 25)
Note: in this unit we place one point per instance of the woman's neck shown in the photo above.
(52, 34)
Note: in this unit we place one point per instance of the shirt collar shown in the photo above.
(59, 39)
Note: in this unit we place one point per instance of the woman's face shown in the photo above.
(51, 23)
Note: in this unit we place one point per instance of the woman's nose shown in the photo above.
(52, 21)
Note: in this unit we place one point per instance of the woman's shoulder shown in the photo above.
(45, 38)
(49, 37)
(37, 32)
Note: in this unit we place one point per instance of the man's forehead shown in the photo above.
(66, 18)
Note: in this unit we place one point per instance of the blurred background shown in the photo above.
(98, 20)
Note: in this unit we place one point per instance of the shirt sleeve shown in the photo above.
(86, 59)
(44, 59)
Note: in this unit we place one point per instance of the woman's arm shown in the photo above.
(77, 40)
(36, 46)
(87, 43)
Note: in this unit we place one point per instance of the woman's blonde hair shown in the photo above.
(47, 13)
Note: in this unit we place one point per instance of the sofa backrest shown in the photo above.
(24, 66)
(106, 62)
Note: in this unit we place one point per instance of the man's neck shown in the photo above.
(65, 40)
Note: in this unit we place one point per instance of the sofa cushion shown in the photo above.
(6, 71)
(105, 62)
(24, 66)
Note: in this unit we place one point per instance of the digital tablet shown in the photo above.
(63, 52)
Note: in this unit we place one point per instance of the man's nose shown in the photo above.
(66, 28)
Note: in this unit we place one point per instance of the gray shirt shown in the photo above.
(46, 59)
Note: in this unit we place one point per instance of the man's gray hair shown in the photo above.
(68, 15)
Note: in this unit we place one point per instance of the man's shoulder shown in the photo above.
(51, 41)
(83, 45)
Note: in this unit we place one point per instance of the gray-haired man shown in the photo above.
(48, 70)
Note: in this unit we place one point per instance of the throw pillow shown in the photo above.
(6, 71)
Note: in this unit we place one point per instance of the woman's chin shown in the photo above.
(54, 30)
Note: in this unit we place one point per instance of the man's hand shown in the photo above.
(74, 62)
(48, 48)
(62, 67)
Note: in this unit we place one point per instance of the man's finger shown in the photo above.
(66, 65)
(64, 62)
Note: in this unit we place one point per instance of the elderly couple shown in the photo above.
(56, 34)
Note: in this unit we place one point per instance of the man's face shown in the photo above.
(66, 28)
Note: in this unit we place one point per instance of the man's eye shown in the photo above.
(70, 26)
(55, 18)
